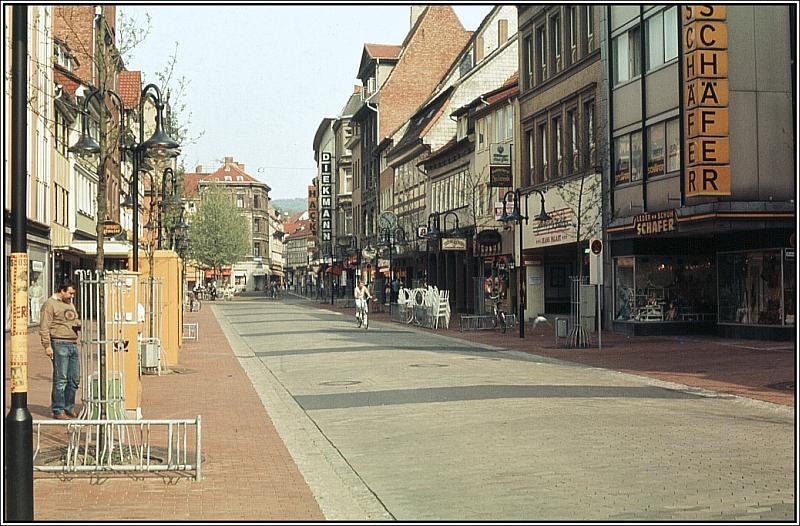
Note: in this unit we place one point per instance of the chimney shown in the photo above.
(198, 169)
(357, 89)
(228, 162)
(416, 10)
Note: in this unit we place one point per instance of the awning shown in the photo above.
(336, 270)
(223, 273)
(110, 248)
(276, 272)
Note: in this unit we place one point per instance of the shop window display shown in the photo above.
(757, 288)
(664, 288)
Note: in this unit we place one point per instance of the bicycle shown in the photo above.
(193, 303)
(362, 313)
(499, 315)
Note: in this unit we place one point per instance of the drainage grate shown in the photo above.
(428, 365)
(340, 383)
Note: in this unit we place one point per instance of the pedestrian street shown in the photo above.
(400, 423)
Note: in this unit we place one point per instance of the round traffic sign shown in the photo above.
(596, 246)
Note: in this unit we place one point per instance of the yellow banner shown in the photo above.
(19, 323)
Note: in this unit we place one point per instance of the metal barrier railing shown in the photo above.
(119, 445)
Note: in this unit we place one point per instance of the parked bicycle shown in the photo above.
(497, 311)
(192, 302)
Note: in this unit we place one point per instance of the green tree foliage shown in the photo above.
(219, 234)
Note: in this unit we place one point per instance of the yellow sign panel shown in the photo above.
(707, 122)
(708, 93)
(705, 99)
(705, 35)
(708, 180)
(705, 63)
(707, 150)
(692, 13)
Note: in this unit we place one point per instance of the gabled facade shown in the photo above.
(487, 61)
(251, 197)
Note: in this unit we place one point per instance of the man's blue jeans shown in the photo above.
(66, 375)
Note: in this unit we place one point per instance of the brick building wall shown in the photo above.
(427, 56)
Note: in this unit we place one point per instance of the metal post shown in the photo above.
(19, 423)
(520, 284)
(135, 227)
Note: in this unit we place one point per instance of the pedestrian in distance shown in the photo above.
(58, 332)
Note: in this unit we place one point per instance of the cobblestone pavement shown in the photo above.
(248, 473)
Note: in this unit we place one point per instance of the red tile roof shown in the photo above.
(190, 181)
(130, 87)
(383, 50)
(233, 171)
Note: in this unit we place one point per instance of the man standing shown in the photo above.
(58, 330)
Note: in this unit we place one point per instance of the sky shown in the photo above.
(262, 77)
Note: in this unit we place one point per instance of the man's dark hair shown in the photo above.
(65, 285)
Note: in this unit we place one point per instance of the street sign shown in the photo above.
(597, 246)
(499, 154)
(422, 231)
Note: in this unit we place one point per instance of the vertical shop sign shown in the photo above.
(705, 98)
(312, 209)
(325, 196)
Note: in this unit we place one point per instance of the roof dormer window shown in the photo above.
(228, 178)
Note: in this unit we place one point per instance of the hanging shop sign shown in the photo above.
(499, 164)
(499, 154)
(454, 243)
(111, 228)
(488, 237)
(705, 100)
(655, 223)
(325, 197)
(499, 176)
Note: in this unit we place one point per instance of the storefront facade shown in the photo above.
(694, 274)
(702, 174)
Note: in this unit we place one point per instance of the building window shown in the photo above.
(673, 145)
(572, 28)
(664, 288)
(757, 288)
(636, 156)
(481, 130)
(256, 250)
(590, 43)
(626, 49)
(543, 152)
(662, 38)
(588, 117)
(655, 150)
(622, 159)
(573, 163)
(558, 148)
(531, 150)
(528, 61)
(555, 32)
(541, 54)
(240, 201)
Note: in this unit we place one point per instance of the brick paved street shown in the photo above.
(247, 472)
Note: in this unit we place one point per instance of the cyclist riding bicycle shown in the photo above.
(362, 295)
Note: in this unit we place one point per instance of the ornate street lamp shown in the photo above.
(516, 217)
(158, 146)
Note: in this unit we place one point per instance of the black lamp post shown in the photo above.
(392, 238)
(158, 146)
(516, 216)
